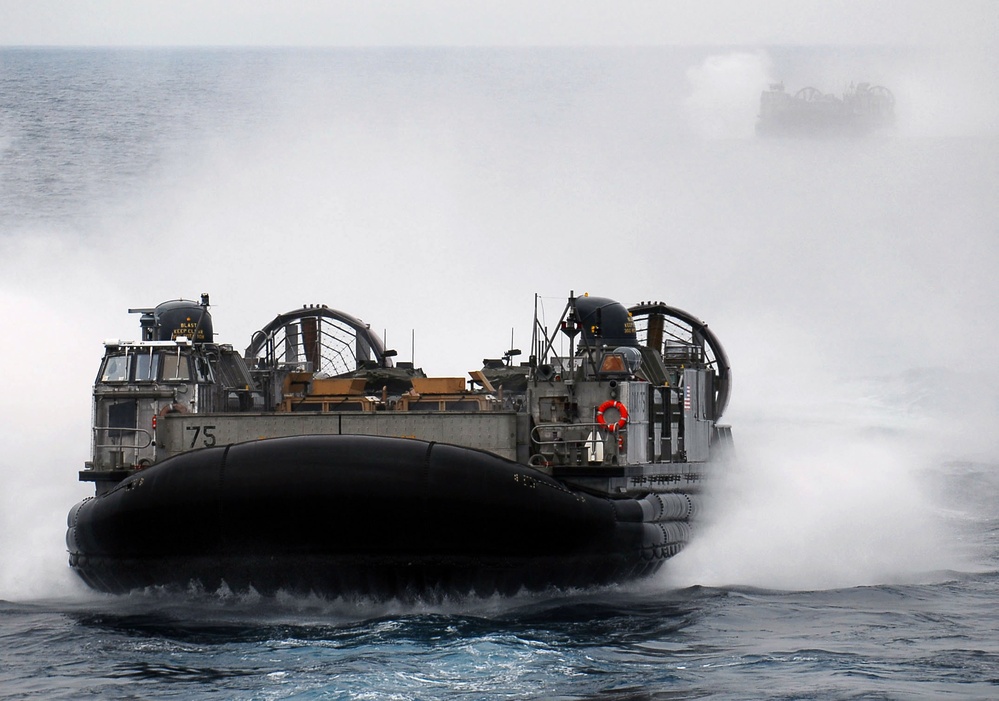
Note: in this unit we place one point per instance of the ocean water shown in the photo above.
(851, 549)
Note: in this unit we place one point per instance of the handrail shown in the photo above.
(135, 446)
(562, 427)
(591, 438)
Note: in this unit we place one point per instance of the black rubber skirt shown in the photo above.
(361, 515)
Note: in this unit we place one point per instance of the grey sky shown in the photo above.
(496, 22)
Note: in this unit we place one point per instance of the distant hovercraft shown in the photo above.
(863, 109)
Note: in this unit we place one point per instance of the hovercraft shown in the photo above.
(862, 109)
(314, 463)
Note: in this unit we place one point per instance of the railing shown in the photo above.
(566, 447)
(118, 448)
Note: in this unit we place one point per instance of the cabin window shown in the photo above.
(175, 367)
(116, 368)
(122, 419)
(146, 365)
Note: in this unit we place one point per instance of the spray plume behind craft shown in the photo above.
(854, 272)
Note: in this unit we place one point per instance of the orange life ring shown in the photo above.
(622, 410)
(172, 408)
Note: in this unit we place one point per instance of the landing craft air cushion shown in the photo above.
(314, 463)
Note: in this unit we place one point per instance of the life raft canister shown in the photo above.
(622, 411)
